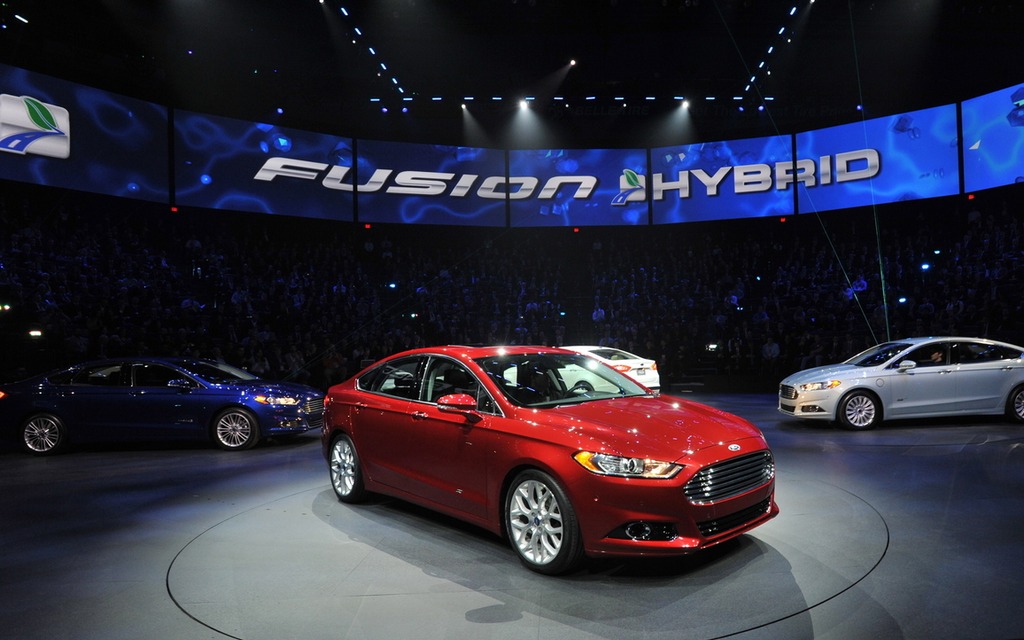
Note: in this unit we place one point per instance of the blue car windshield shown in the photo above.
(878, 355)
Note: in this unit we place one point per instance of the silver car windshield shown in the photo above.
(878, 354)
(549, 379)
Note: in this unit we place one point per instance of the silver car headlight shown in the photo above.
(286, 401)
(608, 465)
(819, 386)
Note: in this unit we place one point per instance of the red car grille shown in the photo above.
(738, 519)
(730, 478)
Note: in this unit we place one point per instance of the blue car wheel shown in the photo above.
(235, 429)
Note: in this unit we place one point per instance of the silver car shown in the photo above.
(912, 378)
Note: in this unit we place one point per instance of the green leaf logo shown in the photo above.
(631, 178)
(40, 115)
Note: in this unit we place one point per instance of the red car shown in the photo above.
(560, 453)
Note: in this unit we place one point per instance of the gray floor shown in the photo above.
(915, 530)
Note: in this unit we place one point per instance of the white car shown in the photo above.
(643, 370)
(912, 378)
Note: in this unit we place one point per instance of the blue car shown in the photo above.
(149, 399)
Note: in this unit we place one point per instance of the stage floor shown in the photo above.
(909, 531)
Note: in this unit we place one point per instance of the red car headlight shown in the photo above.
(609, 465)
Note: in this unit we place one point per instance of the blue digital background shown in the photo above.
(607, 165)
(118, 144)
(119, 147)
(918, 153)
(380, 206)
(710, 157)
(216, 159)
(993, 140)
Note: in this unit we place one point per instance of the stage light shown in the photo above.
(523, 104)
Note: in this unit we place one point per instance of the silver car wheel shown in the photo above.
(235, 429)
(535, 519)
(43, 434)
(1016, 404)
(343, 466)
(859, 411)
(346, 474)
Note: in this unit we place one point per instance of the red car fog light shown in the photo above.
(646, 531)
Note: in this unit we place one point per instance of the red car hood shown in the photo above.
(656, 427)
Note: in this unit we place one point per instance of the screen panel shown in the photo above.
(908, 156)
(993, 139)
(721, 180)
(225, 163)
(62, 134)
(411, 183)
(578, 187)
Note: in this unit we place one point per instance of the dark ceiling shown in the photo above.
(246, 58)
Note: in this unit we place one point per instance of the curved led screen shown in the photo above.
(224, 163)
(718, 180)
(993, 139)
(909, 156)
(578, 187)
(430, 184)
(63, 134)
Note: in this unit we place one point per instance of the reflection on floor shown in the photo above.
(912, 530)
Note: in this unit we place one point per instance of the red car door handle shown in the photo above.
(419, 415)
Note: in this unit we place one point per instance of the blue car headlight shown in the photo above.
(281, 401)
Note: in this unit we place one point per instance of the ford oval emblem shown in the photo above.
(734, 447)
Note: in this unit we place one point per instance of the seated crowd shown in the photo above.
(314, 300)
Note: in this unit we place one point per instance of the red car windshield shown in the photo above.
(547, 379)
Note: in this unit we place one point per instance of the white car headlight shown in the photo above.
(609, 465)
(820, 386)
